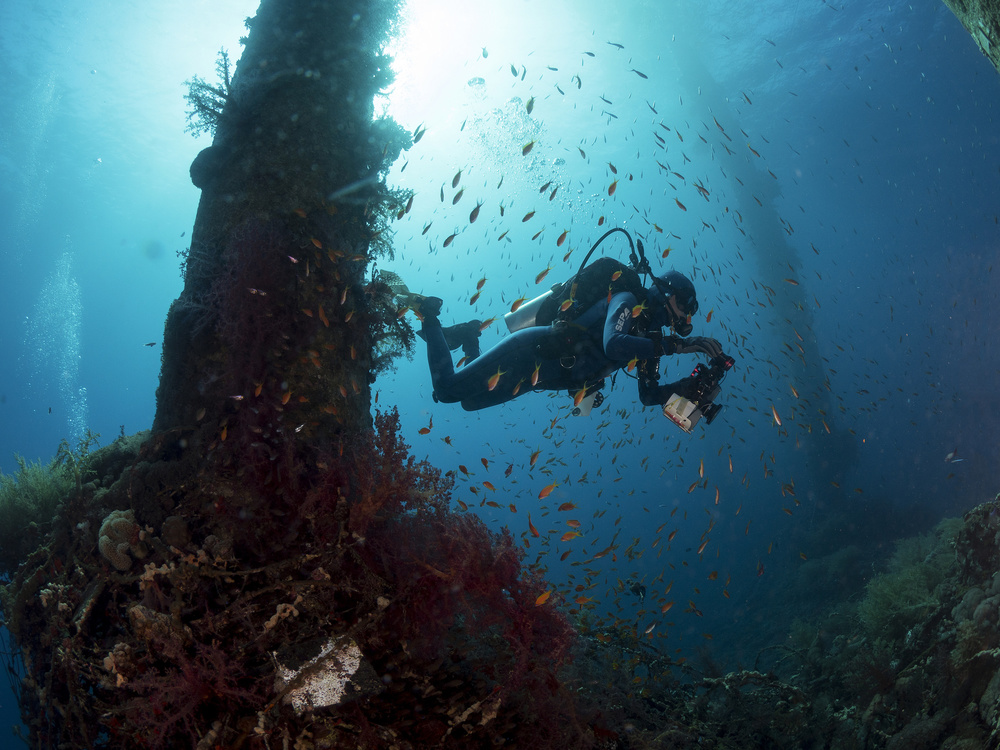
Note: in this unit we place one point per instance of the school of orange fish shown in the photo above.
(563, 509)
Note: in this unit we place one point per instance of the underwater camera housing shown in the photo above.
(687, 409)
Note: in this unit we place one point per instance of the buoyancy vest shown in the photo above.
(602, 279)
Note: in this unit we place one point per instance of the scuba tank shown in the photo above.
(526, 314)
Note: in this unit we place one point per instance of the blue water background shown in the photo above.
(875, 126)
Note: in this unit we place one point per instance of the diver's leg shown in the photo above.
(438, 358)
(473, 381)
(513, 359)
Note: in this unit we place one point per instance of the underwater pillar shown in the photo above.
(270, 342)
(981, 18)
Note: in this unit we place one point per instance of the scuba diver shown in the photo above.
(577, 334)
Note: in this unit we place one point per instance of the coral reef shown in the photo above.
(120, 535)
(207, 102)
(28, 501)
(30, 498)
(360, 615)
(916, 663)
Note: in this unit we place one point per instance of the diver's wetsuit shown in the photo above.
(569, 356)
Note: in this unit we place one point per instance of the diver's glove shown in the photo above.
(694, 344)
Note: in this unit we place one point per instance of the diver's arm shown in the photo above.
(650, 392)
(619, 344)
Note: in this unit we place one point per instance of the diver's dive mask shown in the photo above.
(679, 320)
(676, 293)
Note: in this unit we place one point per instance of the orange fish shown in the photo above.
(778, 419)
(666, 606)
(542, 275)
(573, 524)
(489, 486)
(616, 275)
(485, 462)
(567, 506)
(517, 303)
(612, 187)
(570, 535)
(666, 252)
(566, 305)
(534, 457)
(579, 396)
(638, 309)
(535, 375)
(542, 598)
(632, 363)
(547, 490)
(494, 379)
(531, 527)
(708, 318)
(316, 242)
